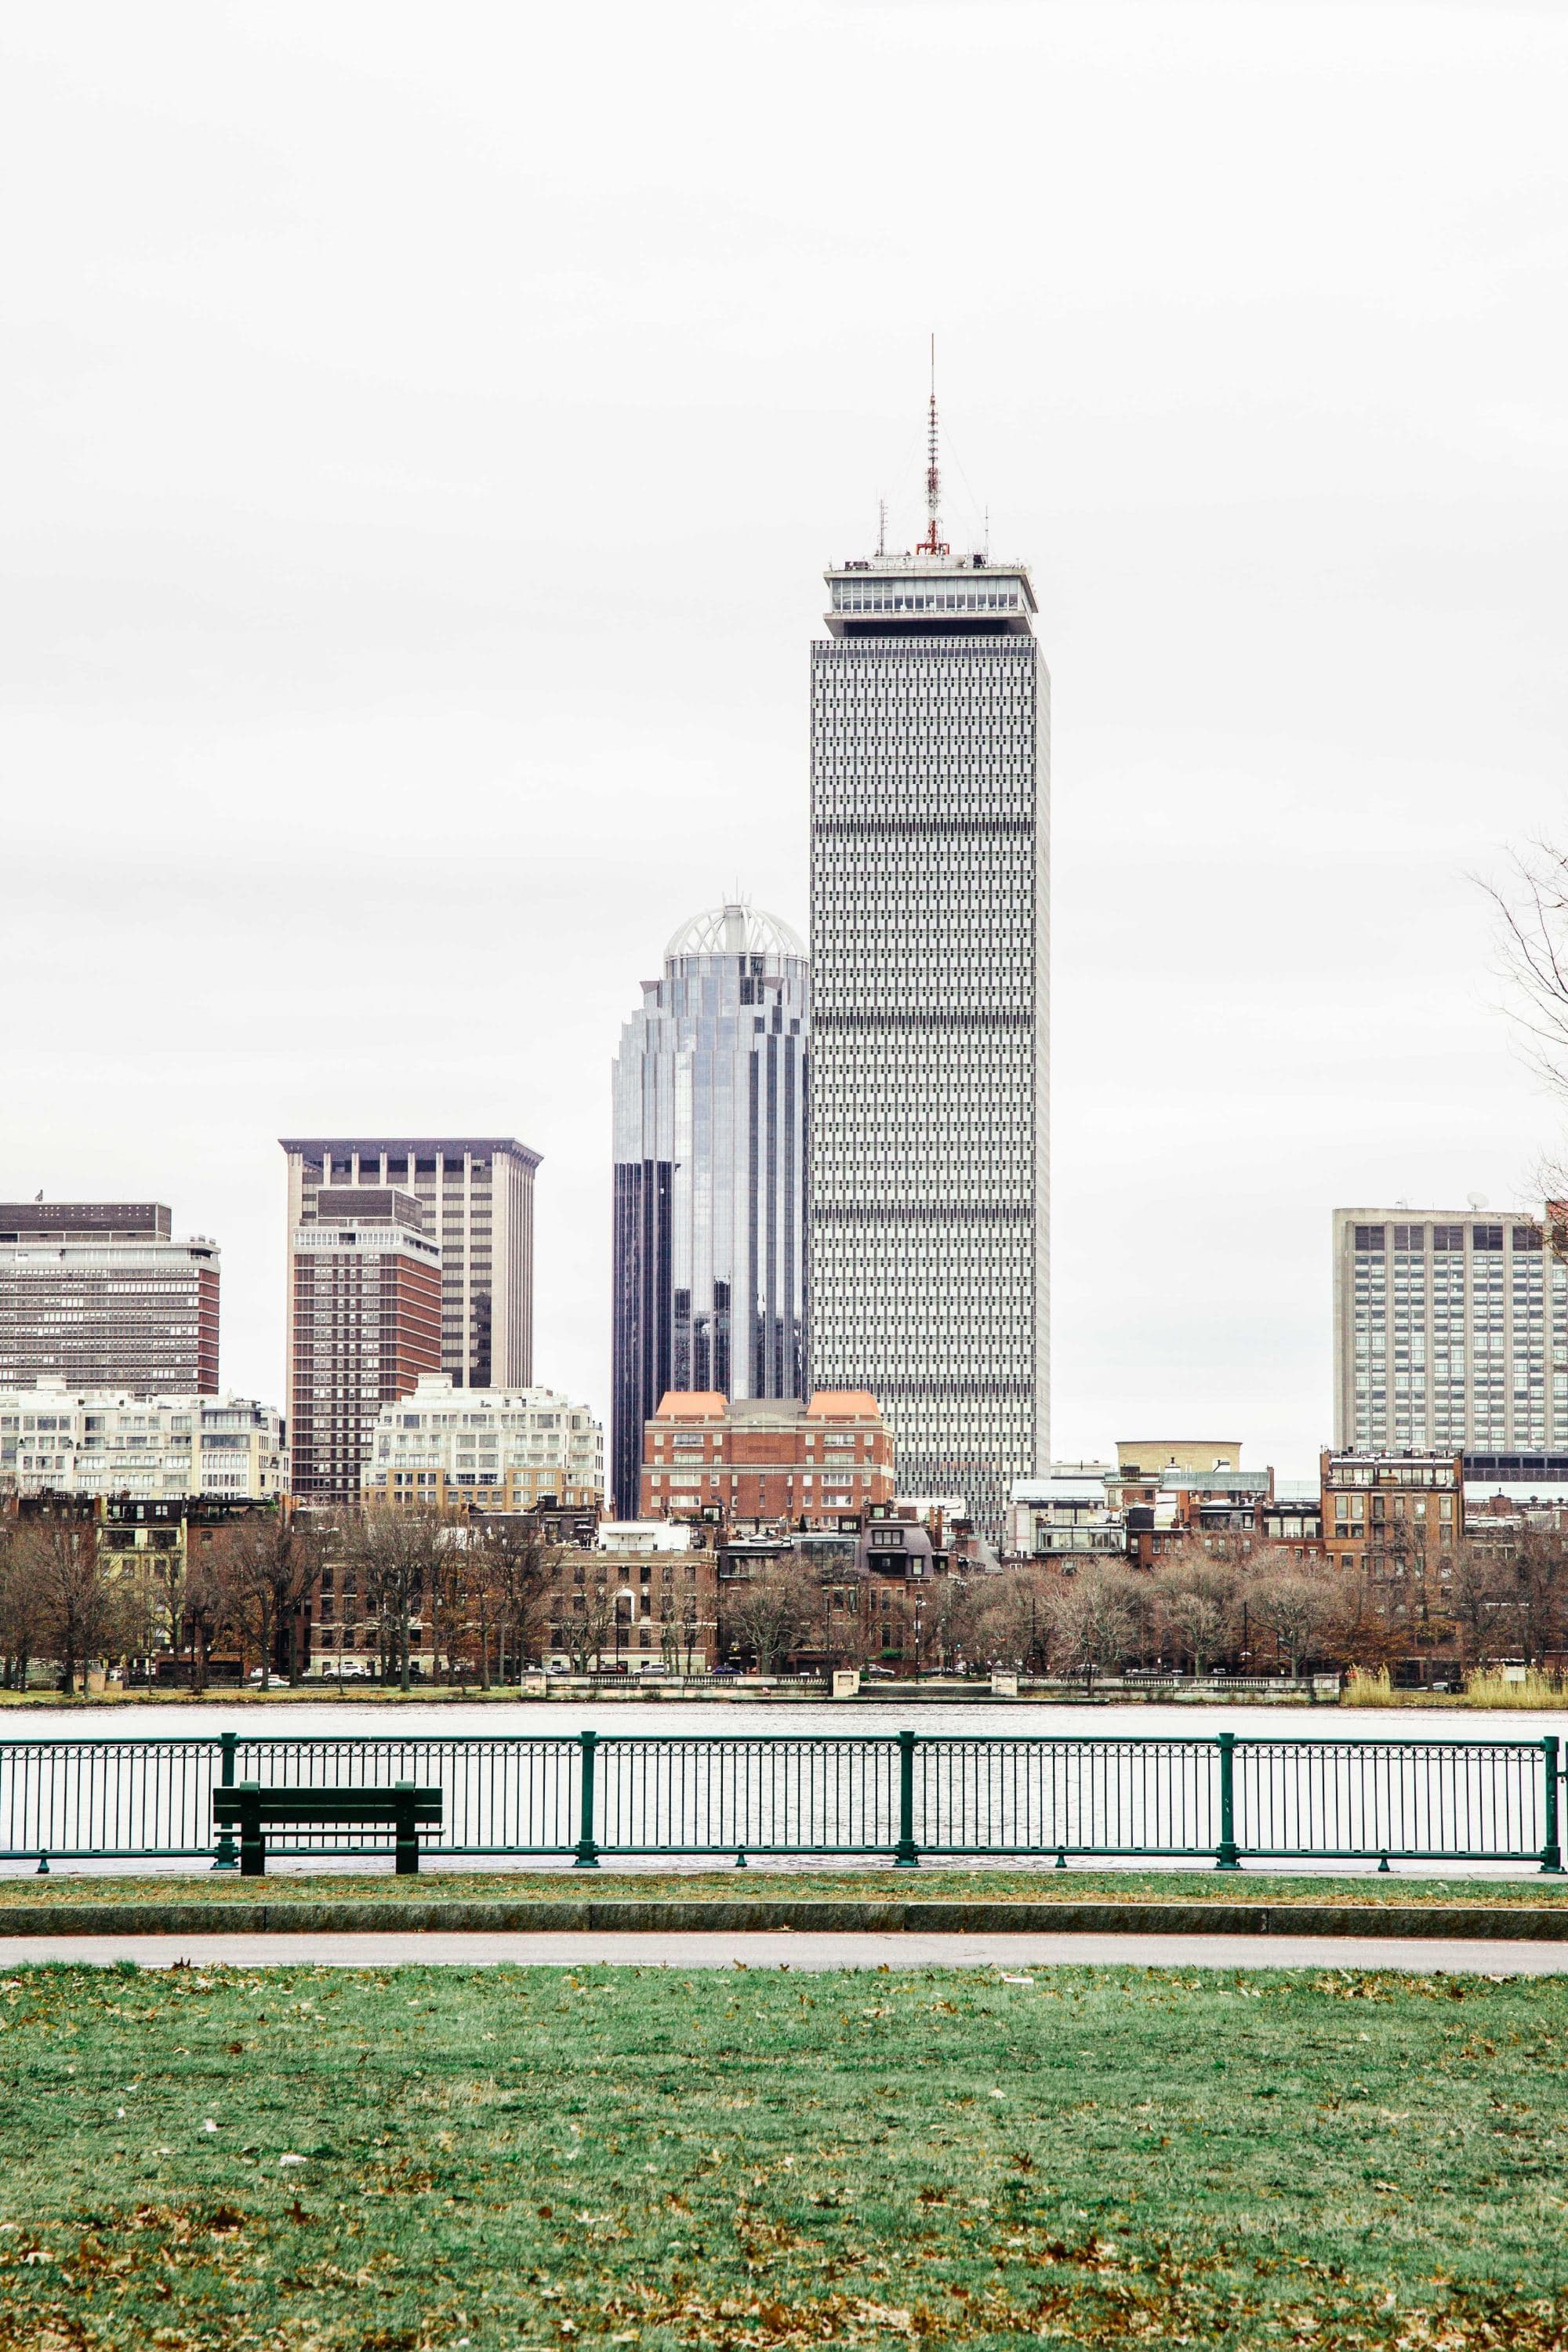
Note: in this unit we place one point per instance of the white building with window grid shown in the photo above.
(493, 1449)
(1450, 1332)
(107, 1441)
(929, 1212)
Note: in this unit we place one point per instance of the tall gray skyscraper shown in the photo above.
(929, 1235)
(710, 1093)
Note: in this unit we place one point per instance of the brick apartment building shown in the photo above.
(1386, 1513)
(824, 1463)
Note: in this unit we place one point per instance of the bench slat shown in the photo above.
(275, 1804)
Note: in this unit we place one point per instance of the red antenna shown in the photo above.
(932, 543)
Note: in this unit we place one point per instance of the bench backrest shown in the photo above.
(305, 1806)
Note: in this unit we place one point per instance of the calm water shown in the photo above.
(738, 1717)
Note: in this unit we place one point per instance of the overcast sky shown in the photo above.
(423, 432)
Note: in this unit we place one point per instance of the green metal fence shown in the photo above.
(899, 1796)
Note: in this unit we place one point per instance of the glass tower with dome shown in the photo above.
(709, 1108)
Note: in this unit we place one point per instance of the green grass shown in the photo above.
(1203, 1883)
(620, 2156)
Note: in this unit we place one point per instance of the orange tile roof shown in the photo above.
(691, 1404)
(841, 1404)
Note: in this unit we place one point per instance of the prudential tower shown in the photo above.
(928, 1209)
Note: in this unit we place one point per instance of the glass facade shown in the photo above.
(709, 1094)
(930, 883)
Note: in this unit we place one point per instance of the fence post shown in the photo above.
(1227, 1858)
(588, 1856)
(228, 1854)
(1551, 1849)
(907, 1856)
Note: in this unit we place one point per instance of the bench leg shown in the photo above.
(252, 1851)
(407, 1858)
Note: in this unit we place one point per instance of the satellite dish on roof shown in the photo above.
(1476, 1199)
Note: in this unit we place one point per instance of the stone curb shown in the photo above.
(1536, 1923)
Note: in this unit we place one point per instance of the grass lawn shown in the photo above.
(1201, 1884)
(506, 2158)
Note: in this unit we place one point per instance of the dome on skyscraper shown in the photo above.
(735, 929)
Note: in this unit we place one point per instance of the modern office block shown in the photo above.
(364, 1325)
(929, 1230)
(1450, 1332)
(710, 1092)
(475, 1198)
(98, 1295)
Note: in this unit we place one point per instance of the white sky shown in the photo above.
(422, 431)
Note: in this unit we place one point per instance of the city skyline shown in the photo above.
(358, 668)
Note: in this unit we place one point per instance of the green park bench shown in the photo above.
(256, 1809)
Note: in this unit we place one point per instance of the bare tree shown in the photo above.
(588, 1631)
(954, 1612)
(268, 1564)
(1018, 1623)
(677, 1632)
(1540, 1576)
(513, 1565)
(1198, 1606)
(1297, 1608)
(207, 1609)
(773, 1611)
(1531, 910)
(1094, 1619)
(398, 1554)
(1482, 1601)
(80, 1615)
(21, 1609)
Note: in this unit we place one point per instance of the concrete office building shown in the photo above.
(476, 1202)
(364, 1325)
(710, 1092)
(98, 1295)
(1450, 1332)
(929, 1097)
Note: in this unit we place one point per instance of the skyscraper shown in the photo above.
(930, 1093)
(476, 1202)
(710, 1090)
(95, 1293)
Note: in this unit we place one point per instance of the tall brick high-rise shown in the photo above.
(364, 1324)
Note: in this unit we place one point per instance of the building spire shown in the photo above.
(933, 542)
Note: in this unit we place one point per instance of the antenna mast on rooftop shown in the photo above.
(932, 543)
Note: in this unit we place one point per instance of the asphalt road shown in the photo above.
(1422, 1957)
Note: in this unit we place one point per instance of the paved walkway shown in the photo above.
(566, 1949)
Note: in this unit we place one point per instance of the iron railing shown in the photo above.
(898, 1796)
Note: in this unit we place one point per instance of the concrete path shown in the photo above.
(1421, 1957)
